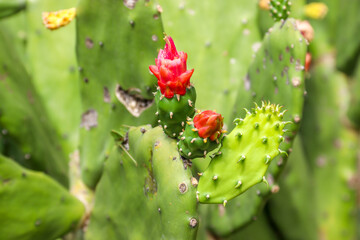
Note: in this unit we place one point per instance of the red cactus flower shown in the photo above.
(209, 124)
(170, 70)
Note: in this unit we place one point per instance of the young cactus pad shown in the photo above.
(201, 135)
(280, 9)
(245, 155)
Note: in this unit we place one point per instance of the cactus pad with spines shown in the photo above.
(202, 134)
(280, 9)
(173, 112)
(245, 155)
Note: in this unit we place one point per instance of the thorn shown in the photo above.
(238, 184)
(161, 97)
(200, 174)
(281, 139)
(194, 130)
(277, 125)
(180, 149)
(238, 121)
(265, 181)
(224, 131)
(242, 158)
(247, 111)
(182, 124)
(205, 153)
(190, 103)
(157, 113)
(193, 140)
(178, 97)
(165, 127)
(268, 116)
(207, 196)
(256, 125)
(217, 141)
(205, 140)
(264, 140)
(189, 154)
(188, 118)
(159, 121)
(238, 135)
(283, 152)
(157, 88)
(225, 202)
(174, 134)
(215, 177)
(267, 159)
(182, 138)
(154, 93)
(181, 133)
(171, 115)
(189, 123)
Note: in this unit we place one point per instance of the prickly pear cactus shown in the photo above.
(280, 9)
(51, 210)
(245, 155)
(148, 175)
(202, 134)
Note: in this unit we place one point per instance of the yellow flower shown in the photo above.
(55, 20)
(316, 10)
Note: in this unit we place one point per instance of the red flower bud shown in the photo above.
(209, 124)
(170, 70)
(307, 61)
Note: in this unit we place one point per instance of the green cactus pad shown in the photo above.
(34, 206)
(244, 157)
(191, 145)
(173, 112)
(145, 191)
(280, 9)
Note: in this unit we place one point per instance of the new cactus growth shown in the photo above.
(244, 156)
(280, 9)
(202, 134)
(175, 97)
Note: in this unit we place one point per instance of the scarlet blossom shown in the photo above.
(209, 124)
(170, 70)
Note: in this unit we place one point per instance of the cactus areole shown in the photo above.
(209, 124)
(170, 70)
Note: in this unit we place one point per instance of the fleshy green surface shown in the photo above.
(10, 7)
(280, 9)
(172, 113)
(24, 116)
(34, 206)
(150, 199)
(244, 156)
(218, 37)
(115, 45)
(53, 68)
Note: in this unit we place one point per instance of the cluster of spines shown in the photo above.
(279, 126)
(280, 9)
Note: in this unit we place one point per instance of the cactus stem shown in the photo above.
(238, 184)
(267, 159)
(225, 202)
(242, 158)
(215, 177)
(171, 115)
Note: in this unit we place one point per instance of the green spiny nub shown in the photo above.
(280, 9)
(236, 173)
(173, 112)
